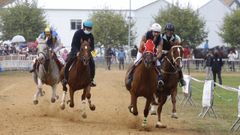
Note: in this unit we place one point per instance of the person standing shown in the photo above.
(208, 65)
(217, 67)
(121, 57)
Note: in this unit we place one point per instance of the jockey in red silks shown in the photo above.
(152, 37)
(53, 41)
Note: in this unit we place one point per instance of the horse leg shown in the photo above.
(173, 98)
(54, 96)
(71, 92)
(88, 96)
(146, 111)
(162, 100)
(63, 100)
(133, 106)
(39, 91)
(154, 105)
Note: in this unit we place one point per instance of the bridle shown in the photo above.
(172, 60)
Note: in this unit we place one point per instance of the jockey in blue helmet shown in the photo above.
(81, 34)
(169, 39)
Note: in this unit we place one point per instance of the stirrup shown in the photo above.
(93, 84)
(64, 82)
(182, 83)
(160, 83)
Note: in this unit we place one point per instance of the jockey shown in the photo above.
(53, 41)
(84, 34)
(168, 40)
(154, 35)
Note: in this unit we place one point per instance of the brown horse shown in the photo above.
(144, 81)
(79, 78)
(170, 67)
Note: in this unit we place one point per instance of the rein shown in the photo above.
(172, 63)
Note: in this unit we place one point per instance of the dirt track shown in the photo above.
(19, 116)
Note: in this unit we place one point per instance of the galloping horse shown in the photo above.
(144, 81)
(47, 72)
(79, 78)
(170, 67)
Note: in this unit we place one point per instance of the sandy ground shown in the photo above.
(18, 115)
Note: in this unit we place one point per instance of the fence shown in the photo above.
(23, 62)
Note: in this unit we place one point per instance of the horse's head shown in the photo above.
(43, 51)
(175, 56)
(148, 54)
(84, 54)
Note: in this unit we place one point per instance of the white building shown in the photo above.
(67, 21)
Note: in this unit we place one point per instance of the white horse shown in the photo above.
(47, 73)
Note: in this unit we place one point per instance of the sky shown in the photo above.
(112, 4)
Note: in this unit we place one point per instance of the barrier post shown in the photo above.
(236, 125)
(187, 91)
(207, 99)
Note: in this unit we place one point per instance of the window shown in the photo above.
(76, 24)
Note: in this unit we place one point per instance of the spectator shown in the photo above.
(64, 55)
(208, 65)
(134, 52)
(217, 67)
(121, 57)
(231, 59)
(186, 56)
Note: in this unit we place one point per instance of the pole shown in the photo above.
(129, 25)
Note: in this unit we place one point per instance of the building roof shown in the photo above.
(5, 2)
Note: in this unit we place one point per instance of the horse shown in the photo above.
(46, 73)
(79, 78)
(144, 83)
(170, 67)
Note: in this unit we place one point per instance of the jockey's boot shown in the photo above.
(160, 81)
(93, 83)
(33, 67)
(181, 80)
(130, 76)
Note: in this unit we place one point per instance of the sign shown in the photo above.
(187, 88)
(207, 93)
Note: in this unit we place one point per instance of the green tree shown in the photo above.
(188, 24)
(230, 30)
(22, 19)
(111, 28)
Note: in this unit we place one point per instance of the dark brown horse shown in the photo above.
(79, 78)
(144, 82)
(170, 67)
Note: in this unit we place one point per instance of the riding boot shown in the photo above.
(33, 67)
(130, 76)
(92, 72)
(59, 64)
(68, 64)
(160, 78)
(181, 80)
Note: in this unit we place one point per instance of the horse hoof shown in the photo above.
(174, 115)
(42, 93)
(84, 115)
(92, 107)
(135, 113)
(160, 125)
(35, 102)
(71, 105)
(62, 106)
(130, 108)
(53, 100)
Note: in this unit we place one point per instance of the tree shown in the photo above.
(24, 18)
(111, 28)
(188, 25)
(230, 30)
